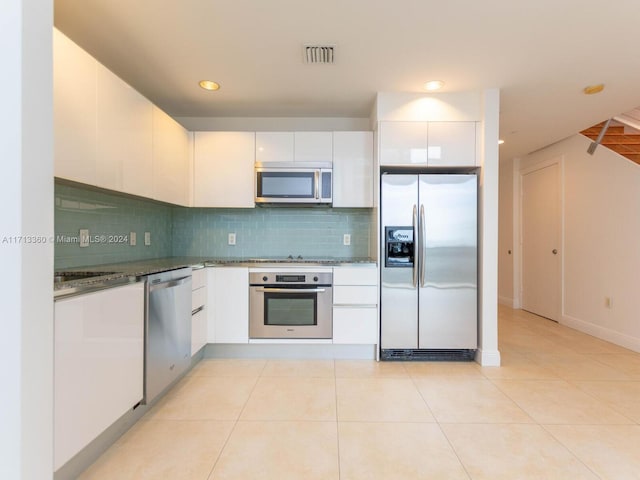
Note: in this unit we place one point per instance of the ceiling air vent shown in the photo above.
(319, 54)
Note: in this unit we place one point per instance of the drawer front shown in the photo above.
(199, 278)
(355, 275)
(355, 295)
(198, 331)
(355, 325)
(198, 298)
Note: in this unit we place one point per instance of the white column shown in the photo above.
(26, 203)
(488, 353)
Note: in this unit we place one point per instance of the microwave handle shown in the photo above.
(317, 181)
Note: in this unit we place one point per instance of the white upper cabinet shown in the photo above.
(274, 147)
(224, 169)
(171, 160)
(74, 98)
(452, 144)
(403, 143)
(124, 137)
(105, 133)
(434, 144)
(352, 169)
(313, 147)
(303, 147)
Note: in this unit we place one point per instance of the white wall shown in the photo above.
(505, 234)
(267, 124)
(26, 196)
(601, 250)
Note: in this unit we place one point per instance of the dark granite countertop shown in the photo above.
(114, 274)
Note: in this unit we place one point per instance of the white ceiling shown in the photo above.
(540, 54)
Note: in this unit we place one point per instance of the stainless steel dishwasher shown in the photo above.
(167, 329)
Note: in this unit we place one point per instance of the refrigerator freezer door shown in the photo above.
(449, 277)
(399, 296)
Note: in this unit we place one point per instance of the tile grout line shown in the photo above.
(335, 390)
(437, 422)
(568, 449)
(235, 423)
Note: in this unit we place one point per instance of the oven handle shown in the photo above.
(291, 290)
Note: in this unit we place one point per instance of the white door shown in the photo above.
(541, 241)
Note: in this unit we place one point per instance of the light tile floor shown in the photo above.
(564, 405)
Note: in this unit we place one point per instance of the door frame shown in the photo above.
(518, 259)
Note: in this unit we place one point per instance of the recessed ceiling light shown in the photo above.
(593, 89)
(500, 142)
(209, 85)
(433, 85)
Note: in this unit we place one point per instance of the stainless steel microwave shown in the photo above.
(288, 183)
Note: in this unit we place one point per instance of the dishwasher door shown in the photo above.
(167, 330)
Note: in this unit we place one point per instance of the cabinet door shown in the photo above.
(452, 144)
(313, 147)
(229, 309)
(355, 325)
(352, 169)
(124, 137)
(403, 143)
(170, 159)
(224, 169)
(98, 364)
(74, 111)
(274, 147)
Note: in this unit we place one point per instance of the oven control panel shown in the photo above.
(290, 279)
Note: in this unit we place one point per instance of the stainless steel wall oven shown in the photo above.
(290, 305)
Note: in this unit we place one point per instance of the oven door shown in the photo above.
(291, 312)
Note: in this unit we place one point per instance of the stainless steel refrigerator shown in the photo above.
(429, 284)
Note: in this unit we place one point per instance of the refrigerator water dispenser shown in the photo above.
(399, 247)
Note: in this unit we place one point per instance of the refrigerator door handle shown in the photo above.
(415, 257)
(423, 246)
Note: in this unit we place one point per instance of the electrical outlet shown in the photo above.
(132, 239)
(84, 237)
(346, 239)
(231, 239)
(608, 302)
(147, 238)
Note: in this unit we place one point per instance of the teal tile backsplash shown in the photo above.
(109, 218)
(202, 232)
(271, 232)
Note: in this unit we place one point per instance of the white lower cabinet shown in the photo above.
(355, 325)
(228, 318)
(199, 308)
(98, 364)
(355, 305)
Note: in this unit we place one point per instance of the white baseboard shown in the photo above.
(488, 358)
(626, 341)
